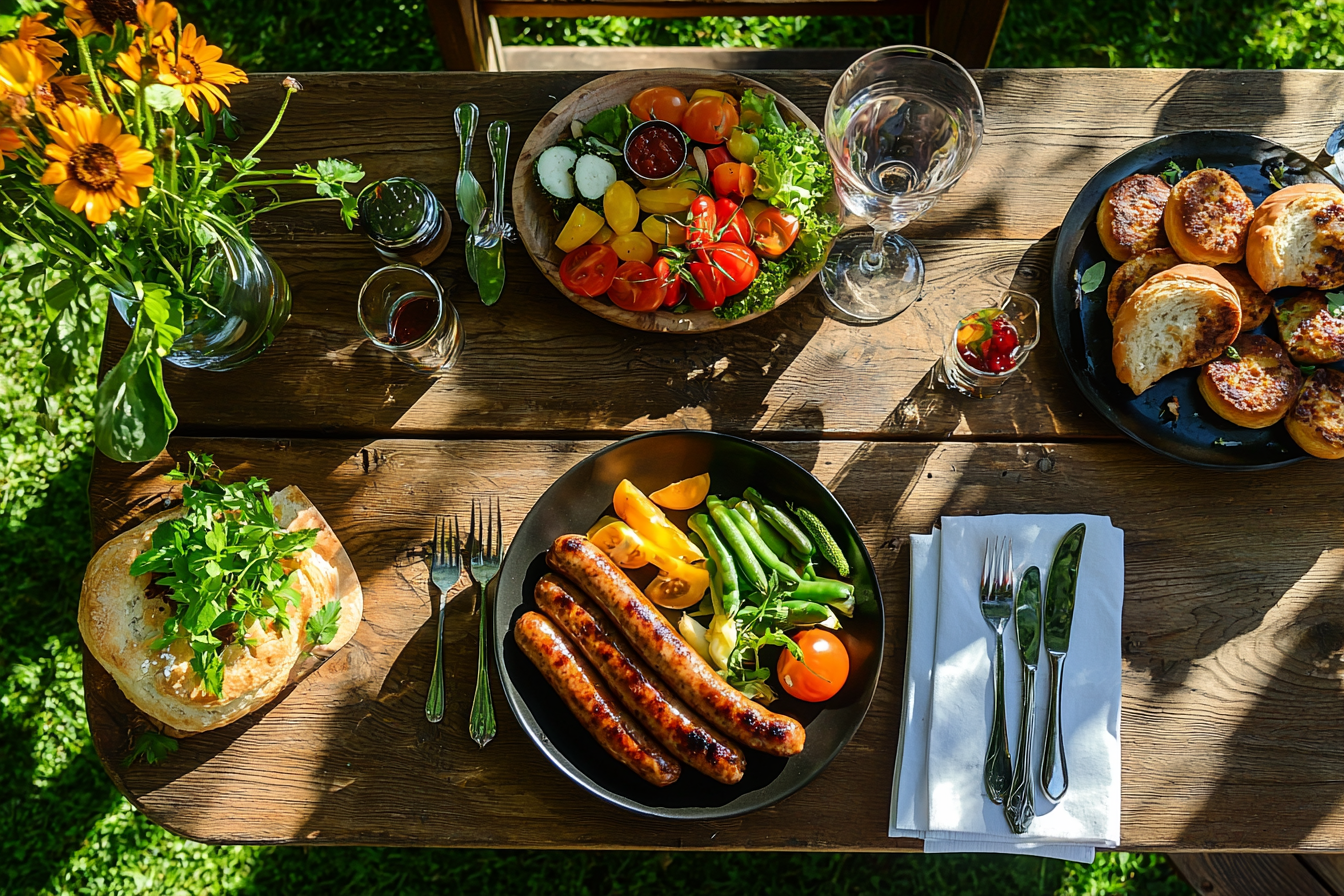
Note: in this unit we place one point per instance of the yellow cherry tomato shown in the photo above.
(626, 547)
(633, 247)
(648, 520)
(663, 230)
(682, 495)
(621, 207)
(665, 200)
(604, 236)
(583, 225)
(678, 588)
(705, 91)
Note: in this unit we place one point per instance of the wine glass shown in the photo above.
(901, 127)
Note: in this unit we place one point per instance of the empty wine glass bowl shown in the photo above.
(901, 126)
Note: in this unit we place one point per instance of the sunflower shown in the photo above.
(33, 35)
(88, 16)
(73, 89)
(20, 70)
(157, 17)
(94, 166)
(193, 67)
(129, 60)
(9, 142)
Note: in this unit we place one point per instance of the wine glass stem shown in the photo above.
(871, 262)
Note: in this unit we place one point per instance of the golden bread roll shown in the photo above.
(1309, 331)
(1133, 274)
(1256, 305)
(1297, 238)
(1207, 217)
(1316, 421)
(1180, 318)
(1129, 220)
(121, 616)
(1257, 388)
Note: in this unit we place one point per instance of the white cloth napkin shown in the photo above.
(937, 787)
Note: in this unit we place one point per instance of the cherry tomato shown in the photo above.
(710, 120)
(734, 179)
(775, 230)
(743, 146)
(822, 672)
(636, 288)
(664, 103)
(736, 265)
(671, 282)
(733, 226)
(704, 225)
(589, 270)
(707, 286)
(717, 156)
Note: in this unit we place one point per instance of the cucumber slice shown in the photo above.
(555, 172)
(593, 174)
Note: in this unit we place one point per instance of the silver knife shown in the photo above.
(1061, 590)
(470, 196)
(490, 240)
(1020, 807)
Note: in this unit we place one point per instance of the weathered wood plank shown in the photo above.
(1234, 634)
(1240, 874)
(1330, 870)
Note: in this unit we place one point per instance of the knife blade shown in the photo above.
(1060, 596)
(1020, 807)
(470, 197)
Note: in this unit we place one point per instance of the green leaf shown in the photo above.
(1233, 354)
(764, 105)
(152, 747)
(1334, 303)
(1172, 173)
(323, 625)
(1307, 369)
(134, 417)
(611, 125)
(1093, 276)
(339, 171)
(162, 98)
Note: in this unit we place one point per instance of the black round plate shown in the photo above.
(573, 504)
(1197, 436)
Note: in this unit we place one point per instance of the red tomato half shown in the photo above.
(664, 103)
(733, 226)
(734, 179)
(774, 231)
(822, 672)
(636, 288)
(589, 269)
(710, 120)
(735, 264)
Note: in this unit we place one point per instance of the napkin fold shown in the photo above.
(937, 789)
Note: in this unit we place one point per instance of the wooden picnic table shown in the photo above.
(1233, 735)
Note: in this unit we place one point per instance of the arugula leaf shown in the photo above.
(611, 125)
(323, 625)
(1172, 173)
(1093, 276)
(1334, 303)
(1233, 354)
(151, 746)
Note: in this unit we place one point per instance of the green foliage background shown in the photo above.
(64, 829)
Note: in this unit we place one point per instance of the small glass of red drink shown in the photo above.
(403, 310)
(990, 345)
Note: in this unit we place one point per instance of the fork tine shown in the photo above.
(457, 540)
(499, 531)
(986, 569)
(438, 539)
(1008, 567)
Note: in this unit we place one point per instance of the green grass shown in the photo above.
(64, 829)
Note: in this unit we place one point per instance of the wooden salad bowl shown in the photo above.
(538, 226)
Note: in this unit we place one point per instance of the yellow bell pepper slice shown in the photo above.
(583, 225)
(663, 230)
(648, 520)
(665, 200)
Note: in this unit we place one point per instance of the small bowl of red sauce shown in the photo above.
(656, 151)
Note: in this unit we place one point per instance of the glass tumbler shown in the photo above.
(1016, 313)
(901, 127)
(403, 310)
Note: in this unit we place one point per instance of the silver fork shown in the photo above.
(445, 568)
(487, 550)
(996, 605)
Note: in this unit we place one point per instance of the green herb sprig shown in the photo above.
(152, 747)
(1334, 303)
(221, 562)
(1093, 276)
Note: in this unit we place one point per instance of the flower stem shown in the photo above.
(289, 92)
(86, 63)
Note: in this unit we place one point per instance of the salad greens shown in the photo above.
(221, 564)
(611, 125)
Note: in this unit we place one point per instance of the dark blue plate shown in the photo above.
(1197, 436)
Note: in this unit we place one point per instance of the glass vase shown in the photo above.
(243, 301)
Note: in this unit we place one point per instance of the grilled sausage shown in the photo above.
(663, 648)
(592, 704)
(670, 721)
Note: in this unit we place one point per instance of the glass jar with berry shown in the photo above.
(990, 345)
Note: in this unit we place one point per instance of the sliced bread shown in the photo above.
(1182, 317)
(1297, 238)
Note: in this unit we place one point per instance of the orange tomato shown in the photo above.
(774, 231)
(822, 672)
(734, 179)
(682, 495)
(663, 103)
(710, 119)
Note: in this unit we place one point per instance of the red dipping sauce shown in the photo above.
(655, 150)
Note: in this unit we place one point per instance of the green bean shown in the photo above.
(823, 590)
(722, 515)
(768, 533)
(777, 517)
(761, 549)
(715, 549)
(715, 585)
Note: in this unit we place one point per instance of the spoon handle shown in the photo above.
(497, 136)
(465, 118)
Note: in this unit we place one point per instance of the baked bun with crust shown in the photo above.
(1257, 388)
(1309, 331)
(1256, 305)
(1133, 274)
(1316, 421)
(1207, 217)
(1297, 238)
(121, 616)
(1183, 317)
(1129, 220)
